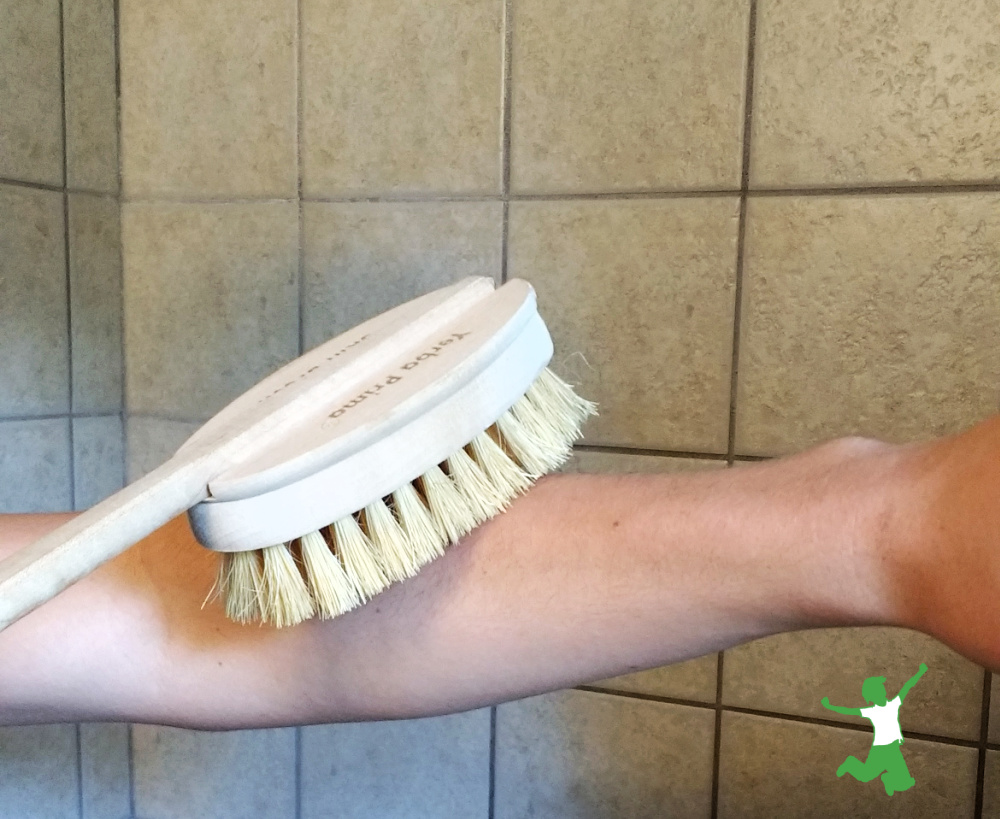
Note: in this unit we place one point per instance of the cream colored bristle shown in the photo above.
(509, 479)
(558, 397)
(358, 554)
(331, 588)
(425, 542)
(286, 596)
(483, 498)
(241, 582)
(552, 444)
(390, 542)
(449, 510)
(523, 443)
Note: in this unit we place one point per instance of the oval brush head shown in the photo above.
(440, 435)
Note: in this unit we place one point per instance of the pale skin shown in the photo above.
(585, 577)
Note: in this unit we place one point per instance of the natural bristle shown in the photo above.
(356, 558)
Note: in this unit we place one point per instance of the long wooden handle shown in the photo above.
(40, 571)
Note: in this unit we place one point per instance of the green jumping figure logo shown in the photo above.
(885, 756)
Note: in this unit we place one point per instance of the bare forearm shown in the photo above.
(584, 577)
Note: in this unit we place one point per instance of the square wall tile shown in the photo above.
(994, 726)
(851, 93)
(612, 96)
(98, 458)
(211, 302)
(91, 95)
(870, 315)
(96, 302)
(40, 773)
(30, 92)
(991, 786)
(364, 258)
(151, 441)
(35, 466)
(180, 774)
(104, 762)
(579, 754)
(34, 338)
(639, 298)
(426, 768)
(791, 673)
(777, 768)
(691, 680)
(208, 99)
(401, 97)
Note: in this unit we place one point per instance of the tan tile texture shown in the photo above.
(34, 343)
(151, 441)
(39, 772)
(98, 458)
(868, 315)
(775, 768)
(364, 258)
(34, 466)
(639, 297)
(95, 302)
(208, 99)
(851, 93)
(991, 789)
(791, 673)
(91, 96)
(627, 96)
(211, 302)
(30, 92)
(401, 97)
(578, 754)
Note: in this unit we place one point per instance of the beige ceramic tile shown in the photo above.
(30, 92)
(994, 726)
(39, 772)
(364, 258)
(208, 99)
(104, 763)
(398, 769)
(851, 93)
(98, 458)
(35, 466)
(96, 293)
(211, 302)
(691, 680)
(868, 315)
(772, 768)
(627, 96)
(151, 441)
(34, 351)
(638, 295)
(401, 97)
(791, 673)
(91, 96)
(579, 754)
(991, 786)
(224, 774)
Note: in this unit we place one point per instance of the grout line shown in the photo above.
(889, 189)
(21, 183)
(717, 736)
(491, 810)
(984, 732)
(299, 74)
(505, 101)
(117, 39)
(777, 715)
(662, 453)
(79, 770)
(56, 417)
(66, 254)
(741, 230)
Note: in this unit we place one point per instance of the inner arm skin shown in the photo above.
(584, 577)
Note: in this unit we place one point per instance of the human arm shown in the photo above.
(911, 682)
(840, 709)
(584, 577)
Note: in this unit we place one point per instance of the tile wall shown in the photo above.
(752, 224)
